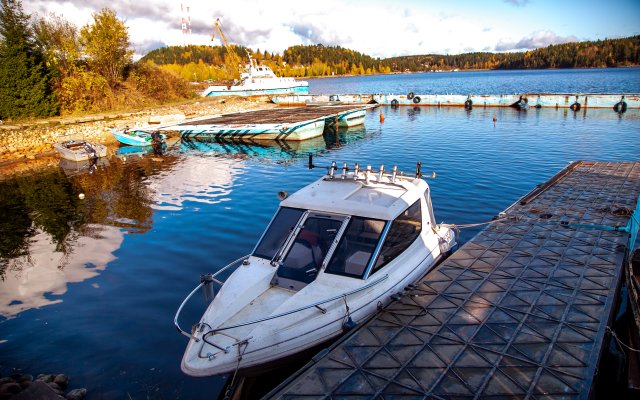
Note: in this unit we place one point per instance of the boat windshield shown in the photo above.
(309, 248)
(356, 247)
(278, 231)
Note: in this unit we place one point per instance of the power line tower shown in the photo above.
(186, 22)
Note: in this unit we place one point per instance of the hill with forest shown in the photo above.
(591, 54)
(215, 62)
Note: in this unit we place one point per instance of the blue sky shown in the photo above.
(374, 27)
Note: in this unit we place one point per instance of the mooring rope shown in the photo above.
(613, 334)
(241, 350)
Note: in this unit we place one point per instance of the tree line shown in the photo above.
(200, 63)
(49, 66)
(590, 54)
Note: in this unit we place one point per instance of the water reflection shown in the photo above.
(273, 151)
(41, 274)
(63, 225)
(199, 179)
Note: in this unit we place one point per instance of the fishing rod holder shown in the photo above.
(358, 173)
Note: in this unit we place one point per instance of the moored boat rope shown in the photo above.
(613, 334)
(463, 226)
(242, 347)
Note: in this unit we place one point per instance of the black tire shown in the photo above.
(416, 99)
(394, 103)
(575, 106)
(620, 107)
(468, 105)
(410, 95)
(538, 106)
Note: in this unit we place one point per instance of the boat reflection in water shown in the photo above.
(72, 168)
(278, 151)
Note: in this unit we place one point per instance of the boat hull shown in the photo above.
(248, 91)
(135, 138)
(76, 151)
(249, 293)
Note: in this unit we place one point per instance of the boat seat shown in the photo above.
(356, 263)
(300, 264)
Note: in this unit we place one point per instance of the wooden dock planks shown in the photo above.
(519, 311)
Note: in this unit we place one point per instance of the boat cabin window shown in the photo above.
(309, 248)
(356, 247)
(279, 230)
(403, 232)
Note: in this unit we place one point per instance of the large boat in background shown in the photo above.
(254, 79)
(258, 79)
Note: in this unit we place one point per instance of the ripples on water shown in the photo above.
(90, 286)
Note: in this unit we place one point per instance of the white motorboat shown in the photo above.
(258, 80)
(335, 252)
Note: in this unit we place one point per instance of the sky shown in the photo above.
(378, 28)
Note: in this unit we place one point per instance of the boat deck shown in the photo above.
(284, 115)
(520, 311)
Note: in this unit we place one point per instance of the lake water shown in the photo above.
(90, 286)
(620, 80)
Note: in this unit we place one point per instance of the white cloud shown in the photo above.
(536, 40)
(376, 28)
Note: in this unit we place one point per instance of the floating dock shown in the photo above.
(520, 311)
(575, 101)
(297, 123)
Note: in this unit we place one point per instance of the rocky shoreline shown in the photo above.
(29, 146)
(45, 386)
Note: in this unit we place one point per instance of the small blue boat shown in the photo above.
(138, 138)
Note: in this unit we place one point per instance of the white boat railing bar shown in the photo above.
(204, 279)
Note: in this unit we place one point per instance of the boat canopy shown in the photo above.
(378, 200)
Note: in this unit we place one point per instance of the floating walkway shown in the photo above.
(576, 101)
(520, 311)
(297, 123)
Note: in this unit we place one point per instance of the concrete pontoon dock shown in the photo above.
(520, 311)
(296, 123)
(524, 100)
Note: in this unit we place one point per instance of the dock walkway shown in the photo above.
(519, 311)
(296, 123)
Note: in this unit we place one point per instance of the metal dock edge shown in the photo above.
(520, 311)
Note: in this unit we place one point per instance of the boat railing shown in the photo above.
(303, 308)
(205, 280)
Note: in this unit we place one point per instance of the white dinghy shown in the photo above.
(335, 252)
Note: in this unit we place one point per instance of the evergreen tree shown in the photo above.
(24, 78)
